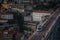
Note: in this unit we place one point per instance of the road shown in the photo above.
(42, 35)
(55, 31)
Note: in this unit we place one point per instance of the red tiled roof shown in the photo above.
(42, 11)
(1, 33)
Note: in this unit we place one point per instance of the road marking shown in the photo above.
(46, 33)
(34, 34)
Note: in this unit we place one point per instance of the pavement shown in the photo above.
(42, 35)
(34, 34)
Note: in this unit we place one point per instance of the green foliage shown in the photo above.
(20, 20)
(44, 7)
(27, 29)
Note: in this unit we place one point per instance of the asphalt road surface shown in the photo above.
(42, 35)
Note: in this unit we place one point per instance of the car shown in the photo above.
(39, 28)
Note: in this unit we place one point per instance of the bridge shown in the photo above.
(50, 28)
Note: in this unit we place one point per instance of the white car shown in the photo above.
(39, 27)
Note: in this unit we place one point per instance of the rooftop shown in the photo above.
(43, 11)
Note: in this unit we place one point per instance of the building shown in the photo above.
(41, 15)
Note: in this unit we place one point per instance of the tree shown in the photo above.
(20, 20)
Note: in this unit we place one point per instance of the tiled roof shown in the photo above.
(42, 11)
